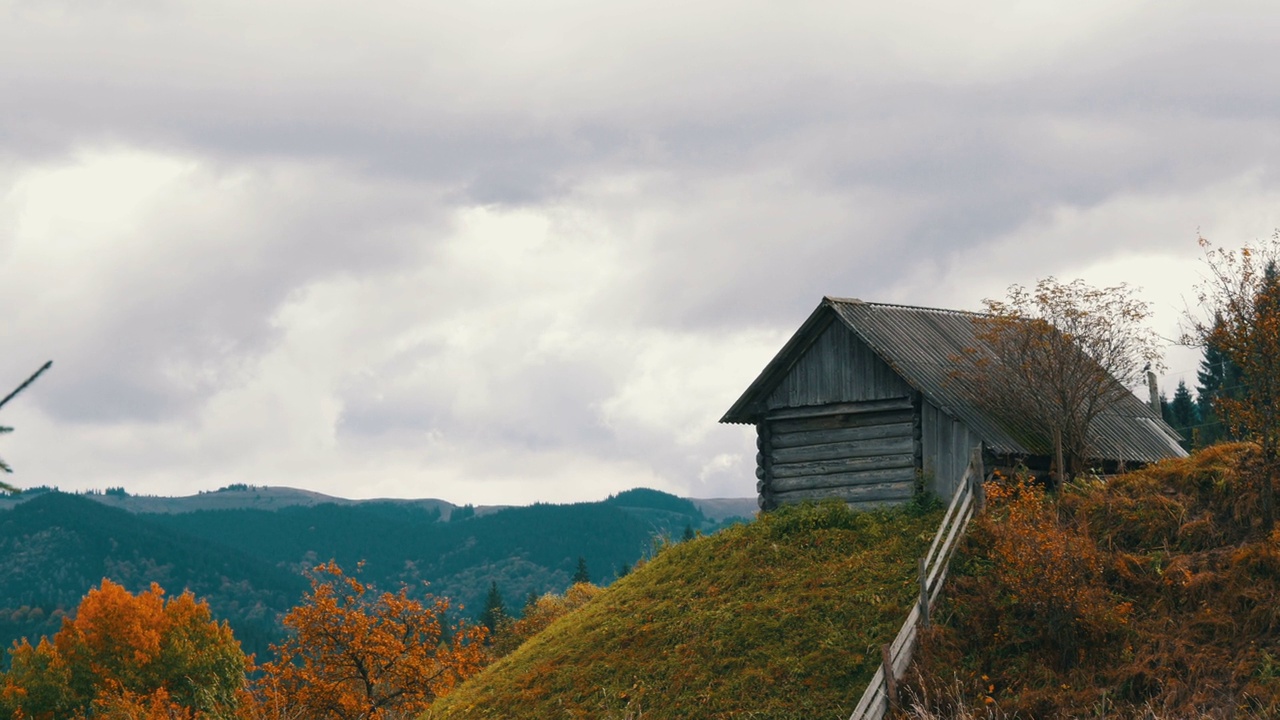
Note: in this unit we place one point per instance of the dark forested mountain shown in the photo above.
(247, 561)
(57, 546)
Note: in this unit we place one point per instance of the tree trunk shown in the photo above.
(1268, 490)
(1061, 475)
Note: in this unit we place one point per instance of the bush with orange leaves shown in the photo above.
(128, 656)
(1034, 605)
(539, 614)
(1163, 580)
(356, 653)
(1045, 574)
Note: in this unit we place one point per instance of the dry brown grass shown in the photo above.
(1180, 617)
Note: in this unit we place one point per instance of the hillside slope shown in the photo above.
(247, 561)
(57, 546)
(779, 618)
(1154, 591)
(523, 549)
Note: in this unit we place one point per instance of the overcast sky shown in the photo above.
(501, 252)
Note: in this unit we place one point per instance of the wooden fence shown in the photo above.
(881, 694)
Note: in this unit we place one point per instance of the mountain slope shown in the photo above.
(779, 618)
(57, 546)
(247, 561)
(523, 549)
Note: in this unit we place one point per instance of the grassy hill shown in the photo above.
(1154, 591)
(779, 618)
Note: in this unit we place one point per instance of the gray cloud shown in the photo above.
(535, 252)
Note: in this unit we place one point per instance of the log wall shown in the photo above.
(861, 453)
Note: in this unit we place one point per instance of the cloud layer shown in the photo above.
(502, 253)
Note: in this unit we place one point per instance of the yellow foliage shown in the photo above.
(546, 610)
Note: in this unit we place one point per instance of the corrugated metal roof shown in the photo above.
(920, 344)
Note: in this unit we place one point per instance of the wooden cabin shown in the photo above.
(861, 405)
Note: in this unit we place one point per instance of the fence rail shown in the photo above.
(881, 693)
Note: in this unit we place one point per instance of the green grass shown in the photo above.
(779, 618)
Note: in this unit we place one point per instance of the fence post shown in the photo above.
(890, 682)
(977, 475)
(924, 592)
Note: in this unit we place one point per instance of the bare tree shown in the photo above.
(1240, 296)
(1052, 359)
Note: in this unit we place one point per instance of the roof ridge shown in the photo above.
(856, 301)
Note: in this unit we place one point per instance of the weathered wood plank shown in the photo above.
(872, 703)
(849, 479)
(852, 449)
(837, 422)
(876, 492)
(823, 437)
(836, 367)
(842, 465)
(839, 435)
(853, 408)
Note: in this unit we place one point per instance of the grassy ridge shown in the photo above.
(779, 618)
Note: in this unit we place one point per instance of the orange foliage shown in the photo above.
(359, 654)
(1046, 573)
(1153, 589)
(128, 656)
(116, 703)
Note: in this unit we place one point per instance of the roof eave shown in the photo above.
(748, 409)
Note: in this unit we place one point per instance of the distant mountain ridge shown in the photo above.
(276, 497)
(244, 548)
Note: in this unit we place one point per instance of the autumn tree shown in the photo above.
(357, 653)
(124, 650)
(1052, 359)
(1241, 295)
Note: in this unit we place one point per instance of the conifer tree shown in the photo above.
(581, 575)
(1182, 414)
(494, 608)
(1217, 379)
(688, 532)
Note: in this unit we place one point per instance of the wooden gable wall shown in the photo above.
(837, 368)
(841, 424)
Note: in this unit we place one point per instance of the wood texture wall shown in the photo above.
(841, 424)
(860, 453)
(837, 368)
(945, 444)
